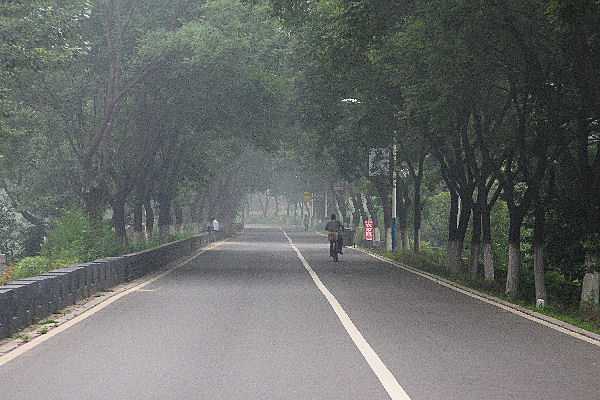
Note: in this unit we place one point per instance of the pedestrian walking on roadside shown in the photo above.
(306, 222)
(215, 225)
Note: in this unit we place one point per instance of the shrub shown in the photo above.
(6, 276)
(74, 239)
(31, 266)
(560, 290)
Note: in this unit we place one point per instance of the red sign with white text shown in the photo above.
(368, 230)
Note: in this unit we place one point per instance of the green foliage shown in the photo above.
(435, 220)
(9, 232)
(31, 266)
(592, 244)
(74, 239)
(499, 221)
(559, 290)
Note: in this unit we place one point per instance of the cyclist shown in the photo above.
(335, 226)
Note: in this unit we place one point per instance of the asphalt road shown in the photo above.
(246, 320)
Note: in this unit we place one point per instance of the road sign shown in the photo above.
(368, 230)
(306, 196)
(379, 162)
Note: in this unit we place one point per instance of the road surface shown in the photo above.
(270, 316)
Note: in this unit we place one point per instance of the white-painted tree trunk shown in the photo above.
(474, 259)
(514, 268)
(452, 263)
(405, 240)
(488, 262)
(417, 244)
(590, 288)
(538, 273)
(388, 239)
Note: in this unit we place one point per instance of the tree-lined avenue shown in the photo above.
(245, 321)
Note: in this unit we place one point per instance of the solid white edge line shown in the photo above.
(389, 382)
(485, 300)
(86, 314)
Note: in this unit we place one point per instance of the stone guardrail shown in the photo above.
(24, 301)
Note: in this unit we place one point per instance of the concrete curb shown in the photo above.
(493, 300)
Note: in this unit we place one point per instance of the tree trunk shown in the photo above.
(538, 256)
(356, 216)
(342, 207)
(118, 220)
(91, 198)
(459, 220)
(149, 219)
(418, 212)
(402, 207)
(402, 231)
(384, 195)
(165, 220)
(179, 224)
(202, 212)
(514, 254)
(590, 288)
(418, 207)
(262, 207)
(417, 240)
(266, 210)
(373, 214)
(488, 253)
(405, 239)
(453, 256)
(138, 227)
(194, 213)
(475, 243)
(452, 263)
(357, 211)
(361, 208)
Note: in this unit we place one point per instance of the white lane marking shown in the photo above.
(386, 378)
(55, 331)
(486, 300)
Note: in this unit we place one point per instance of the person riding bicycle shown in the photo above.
(335, 226)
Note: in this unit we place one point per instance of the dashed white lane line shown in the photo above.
(41, 339)
(386, 378)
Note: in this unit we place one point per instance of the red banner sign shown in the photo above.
(368, 230)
